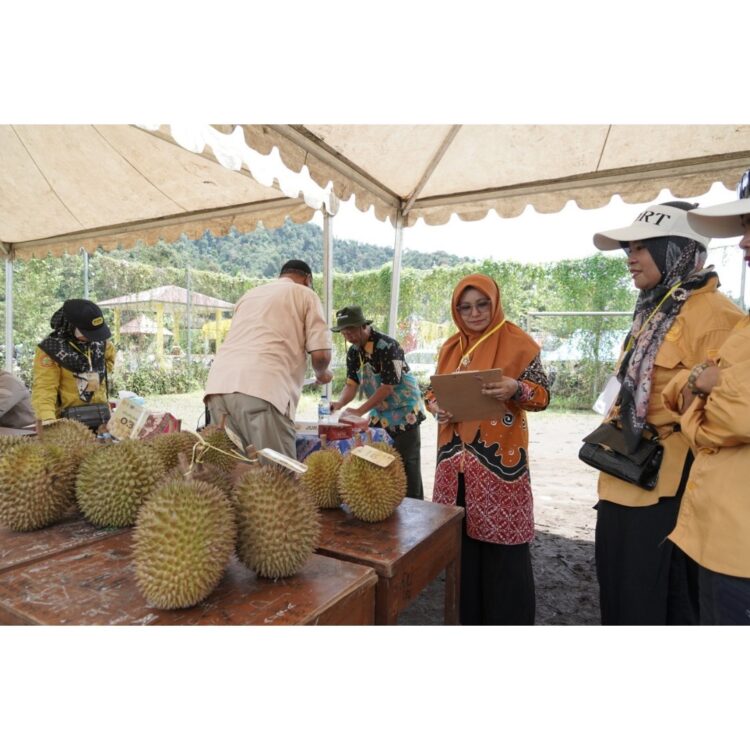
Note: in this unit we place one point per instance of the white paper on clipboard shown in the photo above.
(460, 393)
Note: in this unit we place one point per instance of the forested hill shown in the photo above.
(262, 252)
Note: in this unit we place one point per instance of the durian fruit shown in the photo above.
(218, 438)
(71, 434)
(372, 492)
(114, 481)
(183, 540)
(321, 478)
(10, 441)
(278, 525)
(208, 473)
(171, 445)
(36, 485)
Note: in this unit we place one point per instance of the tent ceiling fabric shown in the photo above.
(63, 187)
(506, 167)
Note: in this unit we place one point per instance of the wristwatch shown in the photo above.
(694, 374)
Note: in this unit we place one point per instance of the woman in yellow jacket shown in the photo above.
(679, 320)
(71, 364)
(713, 526)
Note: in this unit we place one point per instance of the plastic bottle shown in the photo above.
(324, 410)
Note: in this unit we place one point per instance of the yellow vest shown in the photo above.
(700, 328)
(54, 388)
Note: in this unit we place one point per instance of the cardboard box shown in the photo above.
(336, 431)
(133, 421)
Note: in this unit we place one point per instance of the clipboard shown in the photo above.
(460, 393)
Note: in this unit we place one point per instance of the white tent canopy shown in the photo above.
(434, 171)
(63, 187)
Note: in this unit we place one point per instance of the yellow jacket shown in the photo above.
(54, 388)
(702, 326)
(713, 526)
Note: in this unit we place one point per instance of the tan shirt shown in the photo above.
(273, 328)
(702, 326)
(713, 526)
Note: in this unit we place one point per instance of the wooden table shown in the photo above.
(95, 585)
(407, 551)
(19, 547)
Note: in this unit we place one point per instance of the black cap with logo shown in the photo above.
(87, 317)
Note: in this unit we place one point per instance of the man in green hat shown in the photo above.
(376, 364)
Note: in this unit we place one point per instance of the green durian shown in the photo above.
(183, 540)
(321, 478)
(217, 438)
(208, 473)
(114, 481)
(372, 492)
(171, 445)
(11, 441)
(36, 485)
(278, 525)
(72, 435)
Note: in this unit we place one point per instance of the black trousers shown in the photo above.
(409, 443)
(644, 579)
(725, 600)
(497, 581)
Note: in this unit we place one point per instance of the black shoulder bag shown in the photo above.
(604, 449)
(92, 415)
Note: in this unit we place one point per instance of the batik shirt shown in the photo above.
(382, 362)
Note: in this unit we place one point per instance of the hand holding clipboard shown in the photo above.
(463, 395)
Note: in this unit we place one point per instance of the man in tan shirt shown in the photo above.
(256, 379)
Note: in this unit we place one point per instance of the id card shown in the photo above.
(92, 381)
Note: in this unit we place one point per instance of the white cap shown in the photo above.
(720, 221)
(655, 221)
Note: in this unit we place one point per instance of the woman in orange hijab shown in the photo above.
(483, 465)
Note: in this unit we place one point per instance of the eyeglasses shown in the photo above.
(743, 189)
(481, 306)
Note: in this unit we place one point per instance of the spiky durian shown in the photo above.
(208, 473)
(10, 441)
(73, 435)
(36, 485)
(217, 438)
(171, 445)
(183, 540)
(372, 492)
(114, 481)
(278, 524)
(320, 479)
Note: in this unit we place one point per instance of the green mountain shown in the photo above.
(261, 253)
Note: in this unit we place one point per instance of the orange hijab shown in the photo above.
(510, 348)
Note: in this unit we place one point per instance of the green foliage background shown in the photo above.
(228, 267)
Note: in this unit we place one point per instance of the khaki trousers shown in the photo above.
(257, 422)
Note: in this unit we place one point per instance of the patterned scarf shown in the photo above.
(676, 259)
(74, 355)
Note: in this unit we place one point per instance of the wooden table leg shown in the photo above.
(385, 613)
(453, 583)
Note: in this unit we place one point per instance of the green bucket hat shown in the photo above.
(348, 317)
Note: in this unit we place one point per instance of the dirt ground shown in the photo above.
(563, 550)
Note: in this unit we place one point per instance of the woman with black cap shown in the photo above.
(680, 319)
(71, 366)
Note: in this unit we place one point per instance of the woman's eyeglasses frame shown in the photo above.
(481, 306)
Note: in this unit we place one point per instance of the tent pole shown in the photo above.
(189, 316)
(8, 314)
(327, 274)
(85, 273)
(396, 275)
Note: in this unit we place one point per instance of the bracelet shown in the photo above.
(694, 374)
